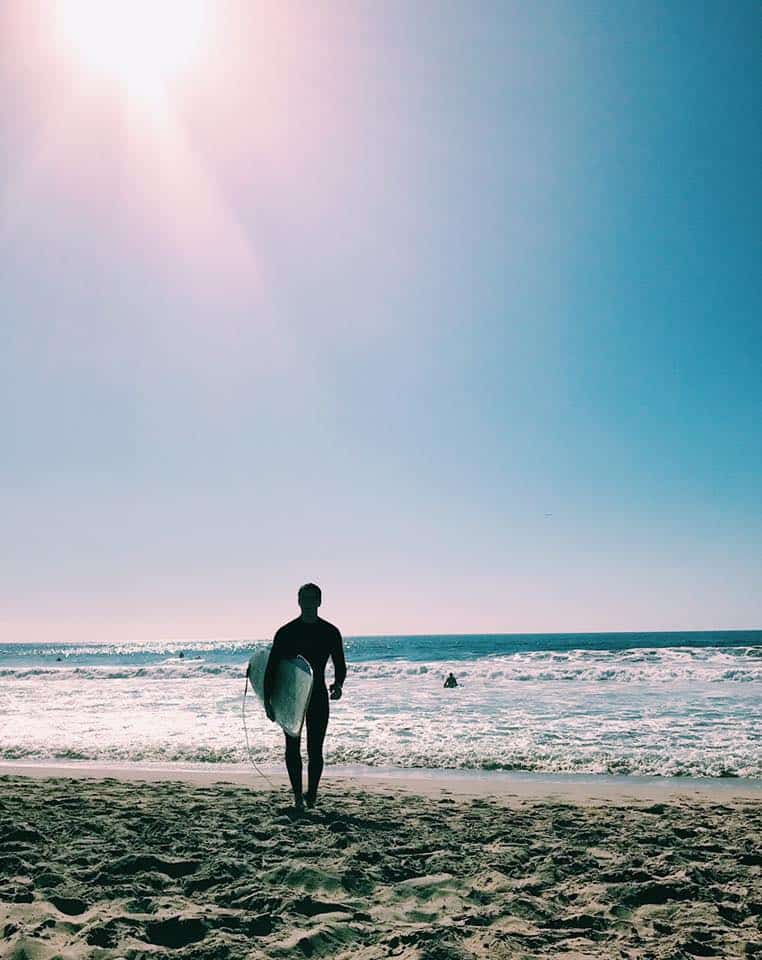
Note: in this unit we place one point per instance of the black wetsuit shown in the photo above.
(316, 642)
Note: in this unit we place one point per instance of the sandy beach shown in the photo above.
(428, 869)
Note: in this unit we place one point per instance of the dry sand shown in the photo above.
(109, 868)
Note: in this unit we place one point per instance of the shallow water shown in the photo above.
(642, 704)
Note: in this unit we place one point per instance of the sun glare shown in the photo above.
(141, 44)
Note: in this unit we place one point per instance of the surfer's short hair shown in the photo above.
(311, 588)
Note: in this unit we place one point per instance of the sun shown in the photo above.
(140, 44)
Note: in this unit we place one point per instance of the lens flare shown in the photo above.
(141, 44)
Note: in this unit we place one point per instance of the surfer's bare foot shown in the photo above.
(298, 804)
(310, 800)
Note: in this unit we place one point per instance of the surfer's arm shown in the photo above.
(339, 667)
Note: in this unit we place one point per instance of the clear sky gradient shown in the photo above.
(454, 308)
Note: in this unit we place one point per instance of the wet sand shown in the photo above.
(423, 869)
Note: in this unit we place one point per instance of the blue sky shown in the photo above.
(453, 309)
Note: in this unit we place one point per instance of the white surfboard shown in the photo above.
(291, 690)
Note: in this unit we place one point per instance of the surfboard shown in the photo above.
(291, 691)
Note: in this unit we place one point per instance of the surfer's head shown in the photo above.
(310, 597)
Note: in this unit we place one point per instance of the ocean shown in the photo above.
(669, 704)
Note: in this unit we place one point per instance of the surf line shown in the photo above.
(246, 732)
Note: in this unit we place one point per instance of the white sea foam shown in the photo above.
(662, 711)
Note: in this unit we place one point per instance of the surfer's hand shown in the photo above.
(269, 711)
(335, 691)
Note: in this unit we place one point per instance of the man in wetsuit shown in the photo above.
(316, 640)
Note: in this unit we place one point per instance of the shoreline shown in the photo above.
(502, 786)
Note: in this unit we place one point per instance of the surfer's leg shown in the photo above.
(317, 722)
(294, 765)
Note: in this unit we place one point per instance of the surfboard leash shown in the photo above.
(246, 733)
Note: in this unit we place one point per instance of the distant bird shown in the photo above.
(548, 514)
